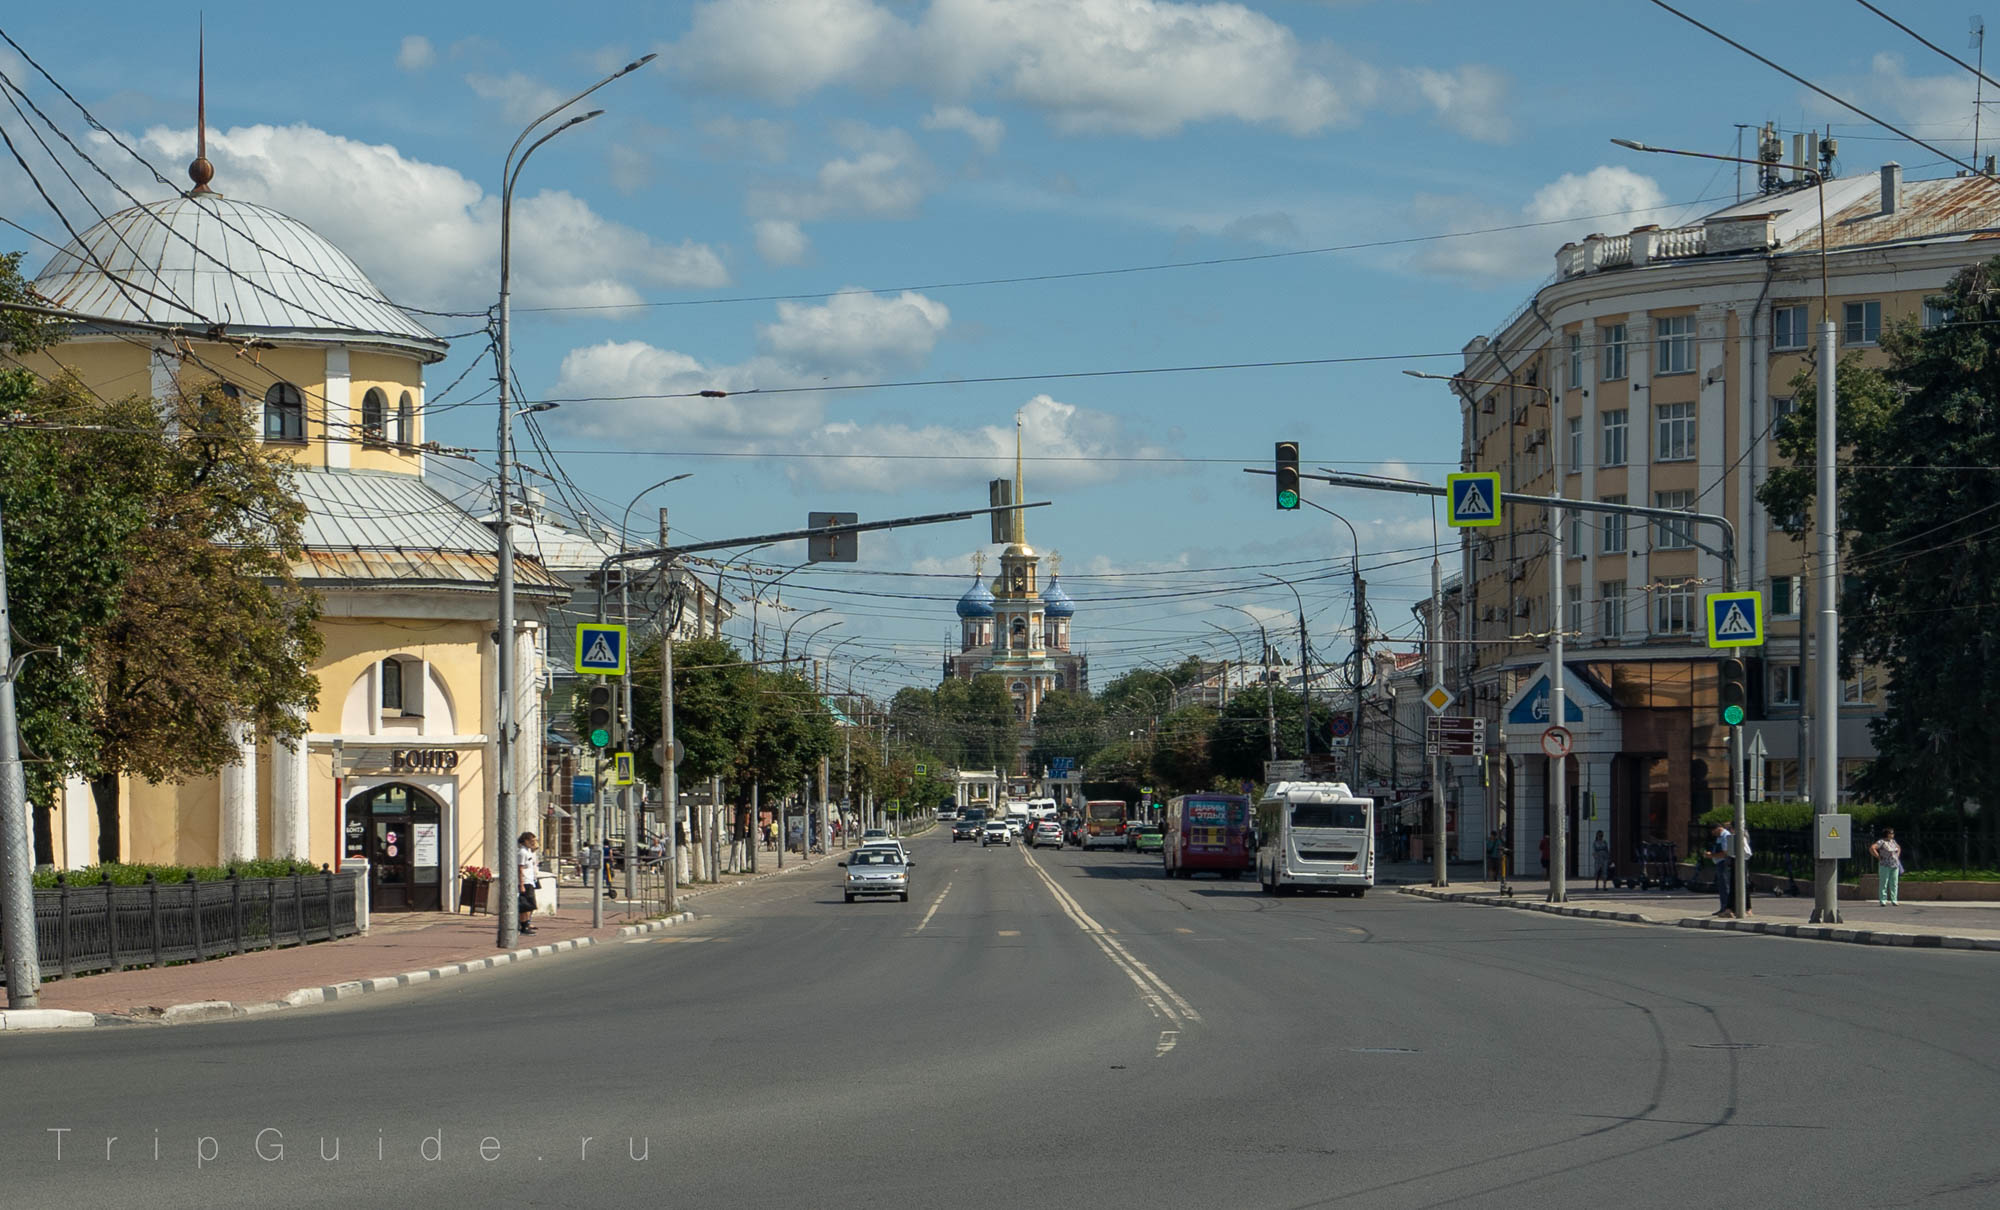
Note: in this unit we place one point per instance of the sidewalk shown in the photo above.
(1969, 926)
(398, 950)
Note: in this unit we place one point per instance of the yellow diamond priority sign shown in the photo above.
(1439, 699)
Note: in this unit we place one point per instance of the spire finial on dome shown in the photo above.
(201, 172)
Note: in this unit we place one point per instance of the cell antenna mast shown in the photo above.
(1978, 80)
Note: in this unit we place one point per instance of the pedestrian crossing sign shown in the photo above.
(600, 649)
(1735, 619)
(621, 769)
(1474, 498)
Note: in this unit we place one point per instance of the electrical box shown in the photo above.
(1835, 837)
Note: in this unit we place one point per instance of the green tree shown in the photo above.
(790, 729)
(151, 547)
(1179, 759)
(1239, 744)
(1068, 724)
(713, 707)
(1921, 553)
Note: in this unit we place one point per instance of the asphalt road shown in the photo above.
(1060, 1028)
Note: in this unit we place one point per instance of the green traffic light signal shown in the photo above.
(1733, 715)
(600, 738)
(1287, 471)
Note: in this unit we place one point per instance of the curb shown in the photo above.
(18, 1019)
(222, 1010)
(1808, 932)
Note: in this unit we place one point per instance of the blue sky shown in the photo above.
(866, 157)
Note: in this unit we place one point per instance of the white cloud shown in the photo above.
(1471, 100)
(781, 50)
(415, 53)
(882, 177)
(1942, 104)
(780, 242)
(522, 97)
(1145, 68)
(631, 168)
(1141, 67)
(987, 132)
(856, 330)
(850, 338)
(1072, 446)
(1574, 205)
(427, 234)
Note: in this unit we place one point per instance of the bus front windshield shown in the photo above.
(1329, 815)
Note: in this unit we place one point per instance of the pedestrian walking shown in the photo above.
(1888, 857)
(1725, 870)
(531, 873)
(1600, 859)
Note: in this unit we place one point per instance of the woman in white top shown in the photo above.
(1889, 858)
(531, 873)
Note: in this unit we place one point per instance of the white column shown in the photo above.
(339, 410)
(375, 698)
(530, 742)
(237, 838)
(79, 807)
(291, 820)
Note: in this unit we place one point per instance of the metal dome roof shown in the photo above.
(204, 259)
(1055, 602)
(977, 601)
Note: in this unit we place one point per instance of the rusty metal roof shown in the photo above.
(1967, 207)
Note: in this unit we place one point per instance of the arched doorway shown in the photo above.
(398, 829)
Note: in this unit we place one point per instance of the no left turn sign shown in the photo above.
(1557, 741)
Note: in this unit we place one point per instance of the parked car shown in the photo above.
(1047, 832)
(966, 829)
(996, 832)
(877, 871)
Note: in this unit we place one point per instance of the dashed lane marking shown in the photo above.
(1168, 1039)
(1010, 932)
(934, 907)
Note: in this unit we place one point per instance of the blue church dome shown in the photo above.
(977, 601)
(1055, 602)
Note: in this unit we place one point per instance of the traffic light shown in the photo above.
(1735, 693)
(600, 716)
(1288, 475)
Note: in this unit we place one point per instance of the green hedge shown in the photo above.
(124, 874)
(1799, 815)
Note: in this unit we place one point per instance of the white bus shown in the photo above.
(1315, 834)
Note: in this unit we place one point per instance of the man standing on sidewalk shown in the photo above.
(1725, 871)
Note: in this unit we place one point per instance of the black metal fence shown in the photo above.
(100, 927)
(1790, 851)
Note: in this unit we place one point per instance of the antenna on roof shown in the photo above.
(1979, 81)
(201, 172)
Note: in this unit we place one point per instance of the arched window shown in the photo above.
(284, 413)
(1020, 632)
(406, 420)
(374, 415)
(392, 684)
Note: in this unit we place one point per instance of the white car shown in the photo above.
(996, 832)
(1047, 832)
(893, 846)
(1017, 825)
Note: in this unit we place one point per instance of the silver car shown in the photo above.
(877, 871)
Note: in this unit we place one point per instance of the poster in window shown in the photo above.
(425, 843)
(357, 836)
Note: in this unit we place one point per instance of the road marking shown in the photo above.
(1163, 999)
(934, 907)
(670, 940)
(1168, 1037)
(1010, 932)
(1184, 930)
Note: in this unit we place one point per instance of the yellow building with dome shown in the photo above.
(397, 768)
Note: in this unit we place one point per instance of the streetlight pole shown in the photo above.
(625, 797)
(1305, 667)
(1360, 645)
(504, 807)
(1826, 583)
(1558, 767)
(1264, 673)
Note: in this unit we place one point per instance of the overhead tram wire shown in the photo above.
(1837, 100)
(161, 178)
(1932, 45)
